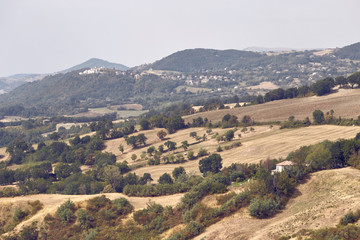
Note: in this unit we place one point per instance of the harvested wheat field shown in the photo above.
(345, 103)
(53, 201)
(319, 202)
(273, 143)
(152, 140)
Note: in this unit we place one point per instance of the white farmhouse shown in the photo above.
(283, 165)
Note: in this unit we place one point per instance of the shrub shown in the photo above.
(165, 179)
(96, 203)
(85, 219)
(224, 198)
(193, 229)
(122, 206)
(191, 155)
(348, 218)
(66, 212)
(262, 208)
(19, 215)
(237, 176)
(202, 152)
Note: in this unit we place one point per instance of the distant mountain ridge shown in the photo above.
(96, 62)
(279, 49)
(200, 59)
(222, 72)
(9, 83)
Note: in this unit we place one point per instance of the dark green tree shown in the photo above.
(318, 116)
(229, 135)
(165, 179)
(178, 171)
(145, 124)
(213, 164)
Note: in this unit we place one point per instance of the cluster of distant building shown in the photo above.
(99, 70)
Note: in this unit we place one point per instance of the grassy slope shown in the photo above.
(320, 202)
(344, 102)
(53, 201)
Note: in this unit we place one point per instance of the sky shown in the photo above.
(45, 36)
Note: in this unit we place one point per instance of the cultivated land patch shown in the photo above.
(264, 142)
(319, 202)
(345, 103)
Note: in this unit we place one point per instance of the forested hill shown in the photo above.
(351, 52)
(96, 62)
(200, 60)
(193, 60)
(72, 92)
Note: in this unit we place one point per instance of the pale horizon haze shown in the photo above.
(45, 36)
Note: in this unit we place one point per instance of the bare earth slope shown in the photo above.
(321, 202)
(345, 103)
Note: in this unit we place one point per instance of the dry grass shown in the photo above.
(320, 202)
(264, 85)
(53, 201)
(4, 156)
(345, 103)
(258, 145)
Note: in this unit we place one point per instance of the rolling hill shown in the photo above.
(72, 92)
(195, 60)
(9, 83)
(96, 62)
(202, 60)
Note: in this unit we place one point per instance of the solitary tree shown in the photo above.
(161, 134)
(141, 138)
(229, 135)
(150, 150)
(121, 148)
(170, 145)
(193, 134)
(185, 145)
(132, 141)
(213, 164)
(318, 116)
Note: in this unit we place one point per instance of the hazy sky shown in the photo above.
(44, 36)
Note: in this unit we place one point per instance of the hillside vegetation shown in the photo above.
(73, 93)
(320, 202)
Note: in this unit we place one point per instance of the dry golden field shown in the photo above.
(264, 142)
(320, 202)
(345, 103)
